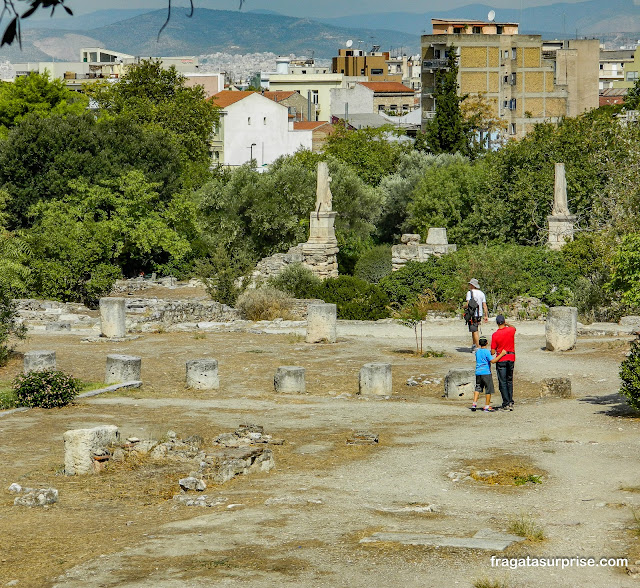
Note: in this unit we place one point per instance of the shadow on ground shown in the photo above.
(618, 406)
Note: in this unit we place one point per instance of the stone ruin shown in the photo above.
(89, 451)
(412, 250)
(561, 221)
(320, 252)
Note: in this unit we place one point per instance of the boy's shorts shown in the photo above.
(484, 383)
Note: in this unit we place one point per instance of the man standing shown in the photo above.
(503, 345)
(480, 312)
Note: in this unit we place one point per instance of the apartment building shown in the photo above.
(376, 66)
(524, 80)
(631, 71)
(612, 64)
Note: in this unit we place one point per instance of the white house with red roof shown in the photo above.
(254, 127)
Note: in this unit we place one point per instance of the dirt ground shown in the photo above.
(122, 528)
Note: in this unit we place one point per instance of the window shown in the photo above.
(513, 53)
(264, 120)
(362, 71)
(248, 120)
(380, 107)
(632, 76)
(477, 30)
(512, 128)
(217, 154)
(405, 107)
(393, 107)
(512, 104)
(314, 96)
(506, 54)
(457, 30)
(513, 79)
(376, 72)
(505, 104)
(342, 71)
(506, 79)
(436, 53)
(304, 71)
(498, 30)
(601, 66)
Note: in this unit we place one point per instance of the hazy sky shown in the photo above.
(301, 8)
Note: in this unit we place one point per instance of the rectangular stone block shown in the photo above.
(460, 383)
(35, 361)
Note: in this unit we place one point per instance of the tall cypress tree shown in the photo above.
(446, 132)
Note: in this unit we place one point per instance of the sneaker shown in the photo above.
(473, 347)
(473, 407)
(488, 409)
(511, 406)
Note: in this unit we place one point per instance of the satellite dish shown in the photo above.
(492, 15)
(349, 43)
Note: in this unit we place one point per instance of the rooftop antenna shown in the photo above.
(491, 16)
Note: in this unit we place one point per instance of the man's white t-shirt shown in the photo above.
(479, 297)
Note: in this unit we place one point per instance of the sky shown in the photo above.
(310, 8)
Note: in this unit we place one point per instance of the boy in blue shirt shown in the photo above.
(484, 381)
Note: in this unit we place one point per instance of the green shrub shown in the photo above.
(296, 280)
(374, 265)
(355, 299)
(45, 389)
(9, 327)
(408, 283)
(630, 375)
(224, 275)
(264, 304)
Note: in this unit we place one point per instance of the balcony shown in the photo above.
(428, 114)
(429, 64)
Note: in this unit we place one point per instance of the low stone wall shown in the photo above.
(169, 312)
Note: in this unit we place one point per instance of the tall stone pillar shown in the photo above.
(561, 221)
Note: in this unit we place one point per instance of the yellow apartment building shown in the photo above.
(525, 80)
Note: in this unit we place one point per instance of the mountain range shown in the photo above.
(210, 31)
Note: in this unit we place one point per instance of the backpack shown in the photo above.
(472, 312)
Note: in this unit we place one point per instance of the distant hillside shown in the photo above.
(210, 31)
(83, 22)
(589, 18)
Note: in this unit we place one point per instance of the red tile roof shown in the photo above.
(228, 97)
(396, 87)
(278, 95)
(309, 125)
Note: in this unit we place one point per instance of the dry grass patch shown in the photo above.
(511, 470)
(525, 526)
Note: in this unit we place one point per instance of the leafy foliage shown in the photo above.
(224, 274)
(368, 151)
(153, 96)
(41, 157)
(632, 99)
(265, 213)
(625, 275)
(37, 95)
(630, 375)
(355, 299)
(504, 272)
(374, 265)
(297, 281)
(45, 389)
(10, 328)
(82, 243)
(446, 132)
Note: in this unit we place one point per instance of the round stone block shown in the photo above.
(556, 388)
(122, 368)
(112, 317)
(561, 328)
(375, 379)
(202, 374)
(35, 361)
(289, 380)
(321, 323)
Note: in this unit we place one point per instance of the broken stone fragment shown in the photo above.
(192, 483)
(15, 488)
(36, 497)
